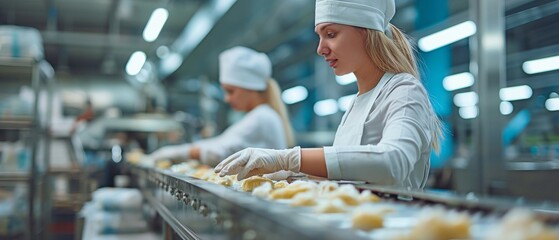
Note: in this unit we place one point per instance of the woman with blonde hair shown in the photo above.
(245, 75)
(387, 134)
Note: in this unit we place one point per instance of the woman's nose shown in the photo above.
(322, 50)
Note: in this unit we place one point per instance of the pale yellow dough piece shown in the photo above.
(288, 192)
(367, 220)
(442, 227)
(348, 199)
(367, 196)
(347, 193)
(135, 156)
(163, 164)
(306, 199)
(522, 224)
(263, 190)
(201, 172)
(280, 184)
(225, 181)
(252, 182)
(333, 206)
(327, 187)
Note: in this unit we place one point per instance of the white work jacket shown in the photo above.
(385, 136)
(261, 128)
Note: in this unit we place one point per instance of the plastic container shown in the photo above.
(20, 42)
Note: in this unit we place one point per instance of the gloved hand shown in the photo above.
(279, 175)
(168, 152)
(255, 161)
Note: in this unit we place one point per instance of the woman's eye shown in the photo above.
(330, 35)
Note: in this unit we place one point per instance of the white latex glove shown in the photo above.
(279, 175)
(255, 161)
(169, 152)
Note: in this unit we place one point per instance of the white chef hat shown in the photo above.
(372, 14)
(245, 68)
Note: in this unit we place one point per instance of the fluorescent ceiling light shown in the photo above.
(458, 81)
(135, 63)
(466, 99)
(343, 102)
(541, 65)
(515, 93)
(468, 112)
(198, 28)
(155, 24)
(506, 108)
(325, 107)
(552, 104)
(294, 94)
(447, 36)
(346, 79)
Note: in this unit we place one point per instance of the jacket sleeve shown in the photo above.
(237, 137)
(391, 161)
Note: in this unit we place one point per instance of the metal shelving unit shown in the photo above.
(28, 129)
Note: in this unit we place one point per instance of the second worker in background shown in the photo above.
(245, 75)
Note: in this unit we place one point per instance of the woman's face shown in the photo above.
(343, 47)
(240, 99)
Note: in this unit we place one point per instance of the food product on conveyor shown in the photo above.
(436, 223)
(263, 190)
(280, 184)
(367, 218)
(367, 196)
(163, 164)
(252, 182)
(331, 206)
(347, 193)
(293, 189)
(135, 156)
(327, 186)
(521, 224)
(306, 199)
(347, 207)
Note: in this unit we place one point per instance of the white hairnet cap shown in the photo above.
(372, 14)
(245, 68)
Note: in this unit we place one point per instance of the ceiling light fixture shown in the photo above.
(465, 99)
(325, 107)
(458, 81)
(155, 24)
(515, 93)
(552, 104)
(541, 65)
(346, 79)
(469, 112)
(506, 108)
(135, 63)
(447, 36)
(294, 95)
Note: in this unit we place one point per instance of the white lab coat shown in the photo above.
(385, 136)
(262, 128)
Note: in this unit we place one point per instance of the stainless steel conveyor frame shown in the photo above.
(196, 209)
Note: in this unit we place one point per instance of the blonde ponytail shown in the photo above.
(396, 55)
(273, 98)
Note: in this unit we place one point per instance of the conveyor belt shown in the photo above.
(196, 208)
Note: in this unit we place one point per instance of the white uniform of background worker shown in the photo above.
(245, 75)
(387, 134)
